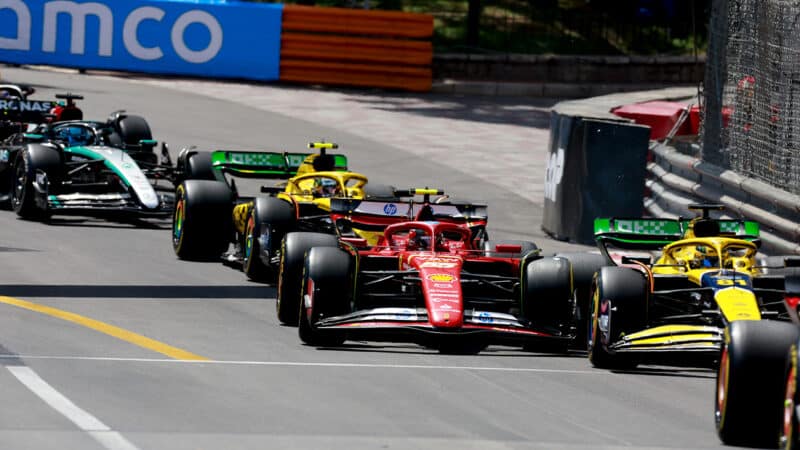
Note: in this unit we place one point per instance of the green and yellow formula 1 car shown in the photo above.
(674, 310)
(210, 214)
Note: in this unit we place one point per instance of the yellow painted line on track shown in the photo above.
(111, 330)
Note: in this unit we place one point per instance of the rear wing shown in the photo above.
(408, 209)
(652, 234)
(265, 164)
(28, 111)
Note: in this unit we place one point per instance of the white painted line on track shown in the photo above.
(314, 364)
(107, 437)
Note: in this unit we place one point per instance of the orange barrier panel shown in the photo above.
(356, 47)
(389, 76)
(357, 21)
(332, 48)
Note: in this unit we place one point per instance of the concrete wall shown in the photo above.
(570, 69)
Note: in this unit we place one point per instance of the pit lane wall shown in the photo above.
(667, 179)
(219, 39)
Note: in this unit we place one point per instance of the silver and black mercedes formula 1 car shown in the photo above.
(83, 167)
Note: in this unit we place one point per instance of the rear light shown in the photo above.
(792, 301)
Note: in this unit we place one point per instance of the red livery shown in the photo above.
(428, 282)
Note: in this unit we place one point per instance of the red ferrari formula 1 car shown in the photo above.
(427, 282)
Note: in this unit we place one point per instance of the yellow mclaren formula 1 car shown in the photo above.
(210, 214)
(674, 309)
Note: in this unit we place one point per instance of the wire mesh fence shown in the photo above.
(607, 27)
(752, 93)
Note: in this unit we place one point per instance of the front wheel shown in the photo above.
(290, 274)
(619, 307)
(30, 162)
(750, 382)
(327, 282)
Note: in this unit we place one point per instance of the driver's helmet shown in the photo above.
(418, 240)
(706, 257)
(74, 135)
(325, 187)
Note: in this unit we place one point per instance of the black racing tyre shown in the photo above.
(269, 220)
(750, 382)
(290, 274)
(202, 223)
(198, 167)
(133, 129)
(547, 294)
(327, 282)
(490, 248)
(788, 437)
(379, 191)
(619, 307)
(33, 160)
(584, 266)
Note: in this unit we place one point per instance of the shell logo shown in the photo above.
(441, 277)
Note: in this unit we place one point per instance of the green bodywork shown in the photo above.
(658, 232)
(265, 164)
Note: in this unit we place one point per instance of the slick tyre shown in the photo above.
(290, 274)
(584, 266)
(133, 129)
(35, 160)
(619, 307)
(266, 224)
(750, 382)
(789, 439)
(198, 167)
(202, 223)
(327, 281)
(490, 248)
(547, 296)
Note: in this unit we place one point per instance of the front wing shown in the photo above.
(403, 324)
(671, 339)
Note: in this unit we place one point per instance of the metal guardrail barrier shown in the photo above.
(675, 179)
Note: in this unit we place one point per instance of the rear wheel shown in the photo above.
(584, 266)
(547, 300)
(750, 382)
(788, 436)
(202, 223)
(290, 274)
(619, 307)
(327, 282)
(198, 167)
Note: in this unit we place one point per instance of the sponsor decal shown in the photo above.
(445, 306)
(206, 39)
(484, 317)
(442, 285)
(390, 209)
(439, 265)
(651, 227)
(553, 174)
(25, 105)
(441, 277)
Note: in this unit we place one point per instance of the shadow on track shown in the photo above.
(414, 349)
(122, 291)
(680, 372)
(92, 222)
